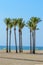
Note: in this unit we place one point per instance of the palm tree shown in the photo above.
(20, 25)
(7, 20)
(29, 25)
(35, 21)
(15, 24)
(10, 26)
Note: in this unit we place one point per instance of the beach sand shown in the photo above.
(24, 58)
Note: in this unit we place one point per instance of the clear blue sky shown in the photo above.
(24, 9)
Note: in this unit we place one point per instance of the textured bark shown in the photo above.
(15, 39)
(34, 42)
(30, 41)
(7, 39)
(20, 41)
(10, 41)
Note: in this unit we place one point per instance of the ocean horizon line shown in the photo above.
(24, 47)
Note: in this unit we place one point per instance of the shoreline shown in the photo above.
(24, 51)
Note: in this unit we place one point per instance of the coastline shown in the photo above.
(24, 51)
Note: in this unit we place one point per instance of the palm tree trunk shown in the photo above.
(19, 40)
(34, 42)
(10, 41)
(7, 40)
(15, 39)
(30, 41)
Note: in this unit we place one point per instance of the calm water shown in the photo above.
(24, 48)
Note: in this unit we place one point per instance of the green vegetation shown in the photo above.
(14, 21)
(7, 21)
(20, 25)
(10, 27)
(31, 24)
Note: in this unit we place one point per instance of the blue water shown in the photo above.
(24, 48)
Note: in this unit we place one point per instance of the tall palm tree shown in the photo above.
(7, 20)
(15, 24)
(10, 27)
(29, 25)
(35, 21)
(20, 25)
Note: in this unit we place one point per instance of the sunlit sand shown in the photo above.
(24, 58)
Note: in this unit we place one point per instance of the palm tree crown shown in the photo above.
(10, 25)
(7, 20)
(35, 21)
(14, 21)
(21, 23)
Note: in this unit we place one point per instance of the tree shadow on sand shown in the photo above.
(21, 59)
(32, 53)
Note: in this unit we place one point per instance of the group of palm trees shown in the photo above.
(31, 24)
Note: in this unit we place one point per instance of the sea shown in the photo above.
(24, 48)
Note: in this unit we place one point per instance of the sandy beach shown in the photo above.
(24, 58)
